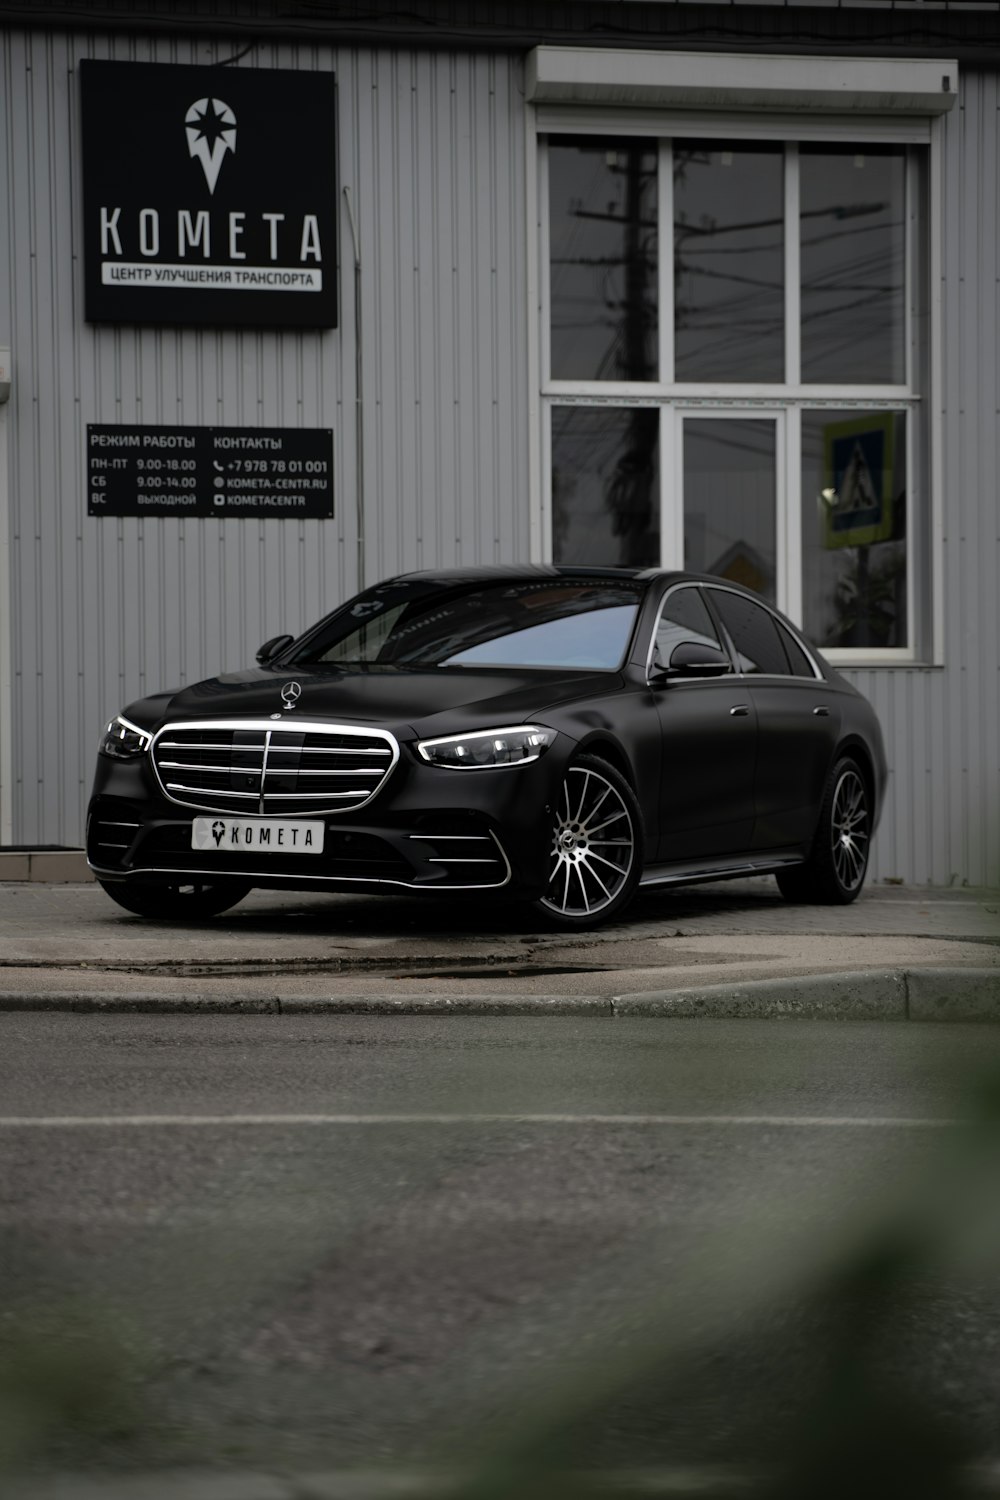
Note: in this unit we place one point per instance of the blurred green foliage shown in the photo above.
(868, 1428)
(67, 1368)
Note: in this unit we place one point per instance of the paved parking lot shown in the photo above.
(62, 940)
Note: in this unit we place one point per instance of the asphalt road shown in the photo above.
(318, 1242)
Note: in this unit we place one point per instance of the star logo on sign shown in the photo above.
(218, 829)
(211, 132)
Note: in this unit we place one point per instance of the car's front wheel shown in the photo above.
(595, 860)
(835, 870)
(183, 900)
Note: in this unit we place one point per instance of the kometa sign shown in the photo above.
(209, 195)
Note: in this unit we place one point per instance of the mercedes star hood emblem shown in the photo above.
(290, 694)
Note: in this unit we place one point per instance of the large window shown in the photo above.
(735, 365)
(729, 247)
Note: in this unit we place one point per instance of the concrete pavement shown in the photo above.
(733, 948)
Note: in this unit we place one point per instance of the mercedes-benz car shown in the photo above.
(560, 735)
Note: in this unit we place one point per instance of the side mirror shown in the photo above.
(692, 659)
(273, 648)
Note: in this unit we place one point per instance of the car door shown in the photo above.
(798, 722)
(709, 743)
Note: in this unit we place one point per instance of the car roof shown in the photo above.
(506, 572)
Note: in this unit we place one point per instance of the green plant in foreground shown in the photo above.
(64, 1369)
(861, 1431)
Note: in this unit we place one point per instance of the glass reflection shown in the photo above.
(854, 527)
(853, 264)
(603, 255)
(729, 249)
(606, 486)
(729, 500)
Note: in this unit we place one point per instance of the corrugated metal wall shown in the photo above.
(942, 726)
(432, 151)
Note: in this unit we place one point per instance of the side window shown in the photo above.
(801, 665)
(754, 633)
(684, 617)
(366, 642)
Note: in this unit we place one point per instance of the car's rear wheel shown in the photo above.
(596, 853)
(183, 900)
(835, 870)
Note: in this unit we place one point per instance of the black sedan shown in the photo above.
(562, 735)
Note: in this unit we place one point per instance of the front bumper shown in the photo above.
(427, 829)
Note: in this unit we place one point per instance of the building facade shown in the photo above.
(649, 284)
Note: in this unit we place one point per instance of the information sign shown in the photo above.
(284, 473)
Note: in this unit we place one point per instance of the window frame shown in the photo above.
(705, 591)
(787, 536)
(720, 641)
(732, 645)
(920, 394)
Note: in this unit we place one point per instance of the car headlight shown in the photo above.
(124, 741)
(484, 749)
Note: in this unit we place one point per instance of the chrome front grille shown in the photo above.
(265, 769)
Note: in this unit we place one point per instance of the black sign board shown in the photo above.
(209, 195)
(284, 473)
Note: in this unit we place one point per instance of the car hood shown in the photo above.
(424, 702)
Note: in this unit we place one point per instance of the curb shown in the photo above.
(864, 995)
(928, 994)
(148, 1002)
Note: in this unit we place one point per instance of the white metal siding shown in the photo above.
(942, 726)
(431, 150)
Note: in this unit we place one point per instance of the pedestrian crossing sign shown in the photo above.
(858, 471)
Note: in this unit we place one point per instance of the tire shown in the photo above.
(834, 873)
(188, 900)
(592, 880)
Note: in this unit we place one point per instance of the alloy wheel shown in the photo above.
(849, 830)
(593, 846)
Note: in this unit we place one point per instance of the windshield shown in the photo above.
(583, 625)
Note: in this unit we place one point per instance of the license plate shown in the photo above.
(258, 835)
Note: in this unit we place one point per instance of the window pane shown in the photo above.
(729, 299)
(853, 243)
(603, 255)
(797, 659)
(854, 527)
(606, 486)
(684, 618)
(729, 500)
(754, 633)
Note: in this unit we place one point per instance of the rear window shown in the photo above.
(754, 633)
(800, 663)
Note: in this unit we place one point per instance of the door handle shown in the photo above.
(822, 712)
(740, 711)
